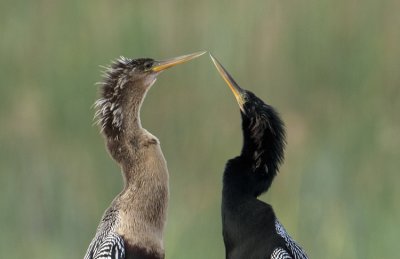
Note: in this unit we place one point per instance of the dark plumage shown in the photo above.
(132, 227)
(250, 227)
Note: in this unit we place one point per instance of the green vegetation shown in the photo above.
(330, 67)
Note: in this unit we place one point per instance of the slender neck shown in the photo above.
(234, 195)
(237, 180)
(121, 140)
(264, 141)
(132, 103)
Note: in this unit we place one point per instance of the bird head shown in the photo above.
(263, 136)
(124, 86)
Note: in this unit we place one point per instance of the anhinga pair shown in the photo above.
(132, 227)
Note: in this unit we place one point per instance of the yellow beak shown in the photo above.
(238, 92)
(165, 64)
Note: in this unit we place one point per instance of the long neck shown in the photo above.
(131, 105)
(122, 125)
(145, 196)
(263, 145)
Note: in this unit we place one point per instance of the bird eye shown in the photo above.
(148, 65)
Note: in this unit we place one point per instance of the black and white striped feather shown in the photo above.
(293, 247)
(111, 247)
(280, 253)
(106, 244)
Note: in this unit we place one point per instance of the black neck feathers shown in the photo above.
(263, 149)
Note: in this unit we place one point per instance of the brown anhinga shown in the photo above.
(133, 225)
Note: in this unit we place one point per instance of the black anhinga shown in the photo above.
(250, 227)
(132, 227)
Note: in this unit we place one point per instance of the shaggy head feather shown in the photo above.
(116, 78)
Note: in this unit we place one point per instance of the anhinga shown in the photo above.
(250, 227)
(133, 225)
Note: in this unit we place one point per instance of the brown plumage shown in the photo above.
(132, 227)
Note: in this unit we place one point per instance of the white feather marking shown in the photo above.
(294, 248)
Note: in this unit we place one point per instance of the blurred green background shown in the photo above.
(331, 67)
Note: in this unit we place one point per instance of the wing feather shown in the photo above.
(280, 253)
(110, 246)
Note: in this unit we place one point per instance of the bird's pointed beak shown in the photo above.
(238, 92)
(165, 64)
